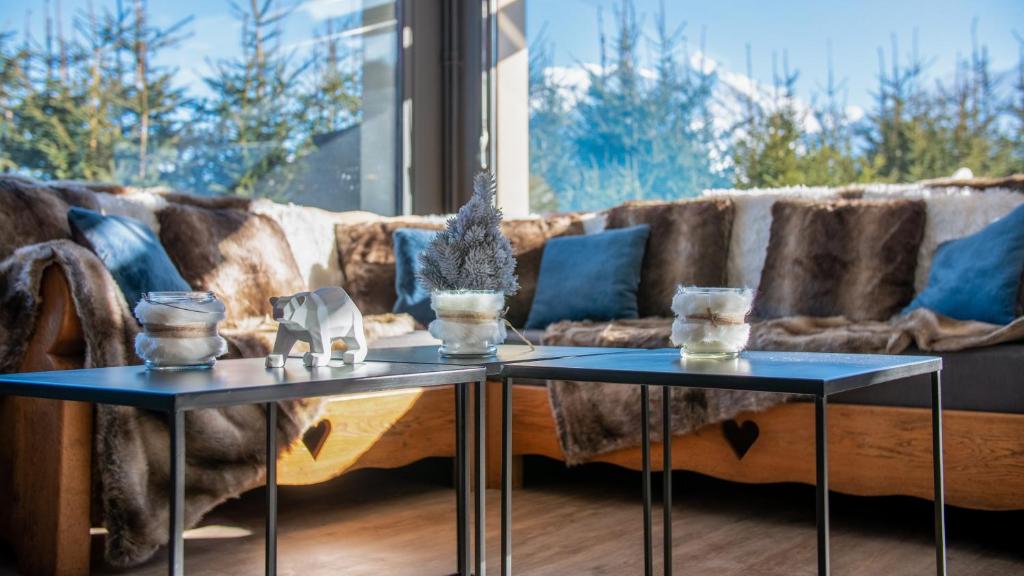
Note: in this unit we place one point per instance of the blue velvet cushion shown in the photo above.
(978, 277)
(412, 298)
(130, 251)
(591, 277)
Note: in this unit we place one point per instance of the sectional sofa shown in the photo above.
(878, 439)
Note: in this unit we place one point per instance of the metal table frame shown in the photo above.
(67, 385)
(819, 390)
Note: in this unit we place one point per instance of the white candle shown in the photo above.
(468, 322)
(711, 322)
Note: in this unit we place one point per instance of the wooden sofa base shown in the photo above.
(873, 450)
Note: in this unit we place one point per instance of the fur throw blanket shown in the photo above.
(224, 447)
(596, 418)
(593, 418)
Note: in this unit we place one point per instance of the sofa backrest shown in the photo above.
(952, 212)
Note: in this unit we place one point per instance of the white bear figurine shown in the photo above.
(317, 318)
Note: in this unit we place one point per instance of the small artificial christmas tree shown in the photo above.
(472, 253)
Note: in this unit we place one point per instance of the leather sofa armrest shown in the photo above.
(57, 342)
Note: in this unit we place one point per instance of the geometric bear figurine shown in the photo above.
(317, 318)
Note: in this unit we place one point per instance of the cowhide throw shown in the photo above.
(596, 418)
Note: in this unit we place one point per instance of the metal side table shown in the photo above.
(236, 382)
(812, 374)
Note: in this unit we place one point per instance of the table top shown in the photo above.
(786, 372)
(229, 382)
(507, 354)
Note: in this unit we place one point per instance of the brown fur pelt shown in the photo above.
(853, 258)
(366, 255)
(32, 211)
(922, 329)
(224, 458)
(107, 324)
(688, 244)
(240, 256)
(594, 418)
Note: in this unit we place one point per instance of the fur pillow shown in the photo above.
(242, 257)
(527, 237)
(366, 253)
(853, 258)
(689, 244)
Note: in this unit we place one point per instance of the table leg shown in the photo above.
(666, 471)
(270, 544)
(940, 509)
(462, 480)
(506, 477)
(176, 513)
(479, 483)
(821, 475)
(645, 441)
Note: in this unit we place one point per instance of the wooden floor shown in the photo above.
(587, 521)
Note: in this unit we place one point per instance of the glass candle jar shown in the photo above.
(469, 322)
(179, 330)
(711, 322)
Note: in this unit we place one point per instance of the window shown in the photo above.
(646, 99)
(295, 101)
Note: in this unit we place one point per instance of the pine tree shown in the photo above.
(829, 159)
(471, 253)
(551, 170)
(765, 154)
(251, 120)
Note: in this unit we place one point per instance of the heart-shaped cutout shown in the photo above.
(741, 437)
(316, 437)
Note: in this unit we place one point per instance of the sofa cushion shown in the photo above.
(689, 244)
(129, 250)
(593, 277)
(244, 258)
(983, 379)
(853, 258)
(367, 257)
(412, 297)
(528, 237)
(978, 277)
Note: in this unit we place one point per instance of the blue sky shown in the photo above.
(213, 34)
(802, 27)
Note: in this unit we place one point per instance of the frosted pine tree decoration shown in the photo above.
(472, 253)
(469, 269)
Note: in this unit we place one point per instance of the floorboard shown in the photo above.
(586, 521)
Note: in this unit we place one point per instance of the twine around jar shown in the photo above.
(717, 318)
(467, 317)
(192, 330)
